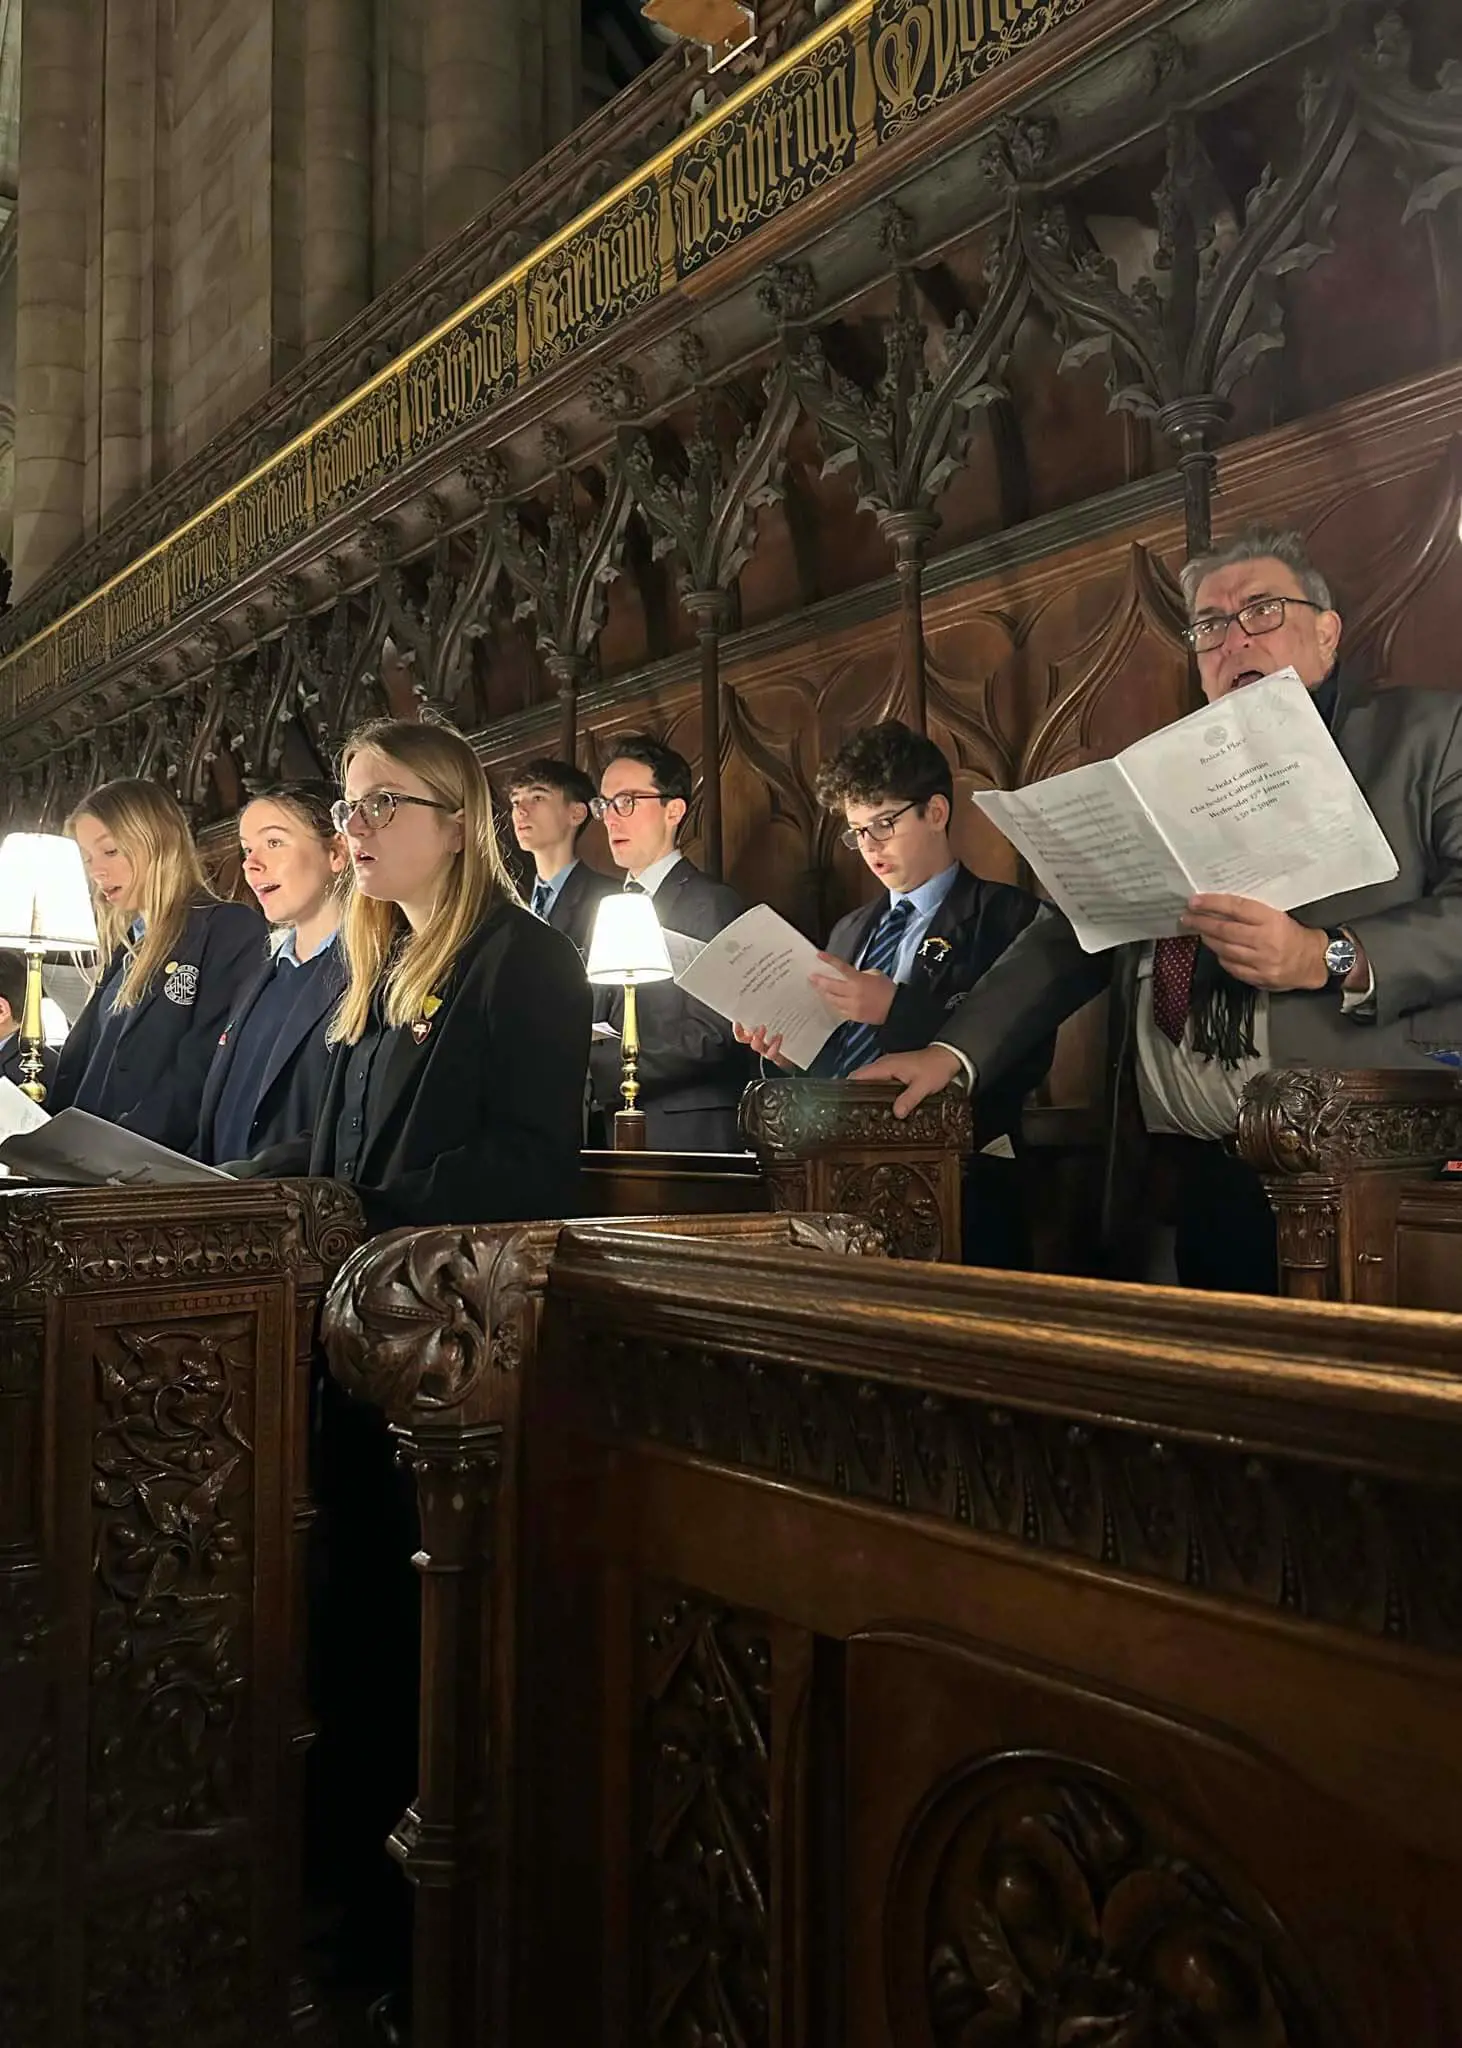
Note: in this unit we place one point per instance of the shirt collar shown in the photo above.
(927, 898)
(651, 877)
(139, 926)
(553, 883)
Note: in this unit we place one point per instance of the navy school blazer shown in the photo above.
(149, 1074)
(480, 1118)
(294, 1080)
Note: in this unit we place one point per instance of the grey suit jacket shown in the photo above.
(1404, 748)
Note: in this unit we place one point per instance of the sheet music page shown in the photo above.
(756, 972)
(1246, 797)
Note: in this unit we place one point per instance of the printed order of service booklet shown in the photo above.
(1246, 797)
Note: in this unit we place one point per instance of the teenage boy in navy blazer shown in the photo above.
(12, 1010)
(550, 802)
(921, 944)
(691, 1070)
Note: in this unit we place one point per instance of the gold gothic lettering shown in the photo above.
(81, 642)
(450, 382)
(199, 559)
(357, 447)
(271, 508)
(140, 605)
(747, 177)
(916, 54)
(596, 274)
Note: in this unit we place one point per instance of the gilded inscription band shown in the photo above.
(824, 107)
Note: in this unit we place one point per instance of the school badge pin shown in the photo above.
(934, 952)
(181, 986)
(421, 1028)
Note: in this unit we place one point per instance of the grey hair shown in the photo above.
(1258, 544)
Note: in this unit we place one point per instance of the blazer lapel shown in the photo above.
(189, 946)
(958, 907)
(223, 1059)
(314, 1003)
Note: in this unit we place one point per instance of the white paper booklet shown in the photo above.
(77, 1150)
(17, 1112)
(1247, 797)
(755, 972)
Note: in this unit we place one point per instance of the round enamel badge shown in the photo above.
(181, 985)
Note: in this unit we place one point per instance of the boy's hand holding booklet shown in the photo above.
(1247, 797)
(756, 972)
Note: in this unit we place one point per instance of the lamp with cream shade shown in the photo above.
(626, 951)
(45, 907)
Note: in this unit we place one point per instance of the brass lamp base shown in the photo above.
(629, 1130)
(32, 1033)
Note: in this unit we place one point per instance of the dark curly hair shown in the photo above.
(886, 763)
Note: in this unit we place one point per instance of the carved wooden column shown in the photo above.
(1193, 329)
(439, 1329)
(910, 433)
(561, 576)
(836, 1146)
(707, 518)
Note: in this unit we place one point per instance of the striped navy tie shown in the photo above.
(542, 891)
(856, 1044)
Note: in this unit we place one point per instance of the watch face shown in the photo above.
(1340, 956)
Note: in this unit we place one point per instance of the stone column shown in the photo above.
(129, 51)
(50, 320)
(480, 127)
(339, 50)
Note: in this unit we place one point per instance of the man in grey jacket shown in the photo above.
(1369, 979)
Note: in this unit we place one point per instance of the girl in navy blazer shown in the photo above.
(268, 1073)
(176, 962)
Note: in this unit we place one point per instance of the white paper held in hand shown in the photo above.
(18, 1114)
(1246, 797)
(756, 973)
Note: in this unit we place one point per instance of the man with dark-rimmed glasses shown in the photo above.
(1371, 979)
(691, 1070)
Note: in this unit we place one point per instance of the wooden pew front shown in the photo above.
(877, 1653)
(155, 1353)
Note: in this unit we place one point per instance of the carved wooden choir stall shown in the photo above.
(820, 1647)
(823, 1650)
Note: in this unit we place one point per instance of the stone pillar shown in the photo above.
(128, 54)
(563, 69)
(339, 50)
(50, 321)
(480, 128)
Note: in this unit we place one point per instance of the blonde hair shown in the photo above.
(148, 824)
(381, 950)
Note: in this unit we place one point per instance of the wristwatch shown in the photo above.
(1341, 954)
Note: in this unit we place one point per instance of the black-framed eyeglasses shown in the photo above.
(379, 808)
(623, 805)
(1263, 615)
(877, 829)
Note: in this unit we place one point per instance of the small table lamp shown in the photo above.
(628, 948)
(45, 907)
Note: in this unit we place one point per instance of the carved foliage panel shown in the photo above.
(704, 1821)
(172, 1579)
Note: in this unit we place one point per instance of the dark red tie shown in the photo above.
(1173, 962)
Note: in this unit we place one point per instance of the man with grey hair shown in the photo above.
(1370, 979)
